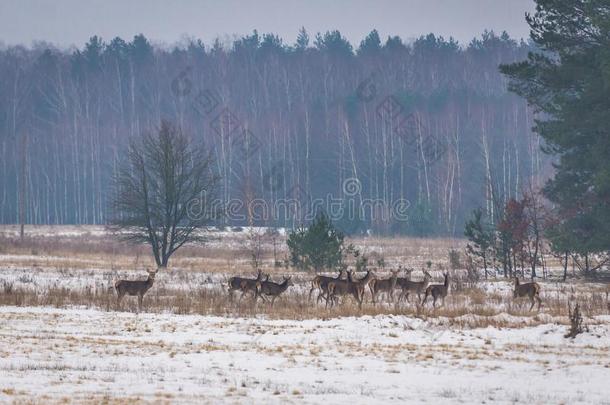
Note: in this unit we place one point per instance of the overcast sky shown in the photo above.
(72, 22)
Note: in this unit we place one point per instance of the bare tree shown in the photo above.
(165, 192)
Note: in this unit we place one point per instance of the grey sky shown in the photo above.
(72, 22)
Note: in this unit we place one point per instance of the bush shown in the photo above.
(317, 247)
(454, 259)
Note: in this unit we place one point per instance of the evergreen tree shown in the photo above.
(568, 83)
(317, 247)
(302, 40)
(371, 45)
(481, 236)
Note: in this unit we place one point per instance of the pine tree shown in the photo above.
(302, 40)
(481, 236)
(317, 247)
(568, 83)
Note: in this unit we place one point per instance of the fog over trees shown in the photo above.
(282, 121)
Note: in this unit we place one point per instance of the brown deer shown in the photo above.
(134, 287)
(349, 287)
(437, 291)
(386, 286)
(321, 283)
(531, 290)
(273, 290)
(244, 285)
(416, 287)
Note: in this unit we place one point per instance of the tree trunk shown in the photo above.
(565, 266)
(22, 187)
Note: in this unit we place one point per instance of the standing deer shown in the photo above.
(271, 289)
(384, 286)
(134, 287)
(321, 283)
(532, 290)
(437, 291)
(416, 287)
(244, 285)
(349, 287)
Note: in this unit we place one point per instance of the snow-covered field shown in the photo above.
(50, 355)
(72, 344)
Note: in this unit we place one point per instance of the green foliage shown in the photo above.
(317, 247)
(302, 40)
(513, 234)
(352, 221)
(569, 84)
(333, 43)
(481, 237)
(371, 45)
(454, 259)
(421, 222)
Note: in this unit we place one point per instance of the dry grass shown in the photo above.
(77, 247)
(471, 307)
(82, 248)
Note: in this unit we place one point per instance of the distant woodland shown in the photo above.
(280, 119)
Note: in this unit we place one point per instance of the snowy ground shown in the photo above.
(50, 355)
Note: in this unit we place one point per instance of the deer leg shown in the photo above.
(119, 299)
(243, 292)
(539, 302)
(273, 300)
(310, 292)
(327, 296)
(401, 296)
(140, 298)
(321, 295)
(532, 301)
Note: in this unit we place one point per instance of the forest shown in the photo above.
(428, 121)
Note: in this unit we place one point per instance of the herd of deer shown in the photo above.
(331, 288)
(344, 284)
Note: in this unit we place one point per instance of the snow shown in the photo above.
(94, 355)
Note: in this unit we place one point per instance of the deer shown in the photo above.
(437, 291)
(531, 290)
(321, 283)
(349, 287)
(384, 286)
(245, 285)
(416, 287)
(134, 287)
(271, 289)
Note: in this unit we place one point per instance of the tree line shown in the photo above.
(280, 120)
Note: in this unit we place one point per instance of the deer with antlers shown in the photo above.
(273, 290)
(531, 290)
(245, 285)
(437, 291)
(134, 288)
(408, 286)
(320, 283)
(386, 286)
